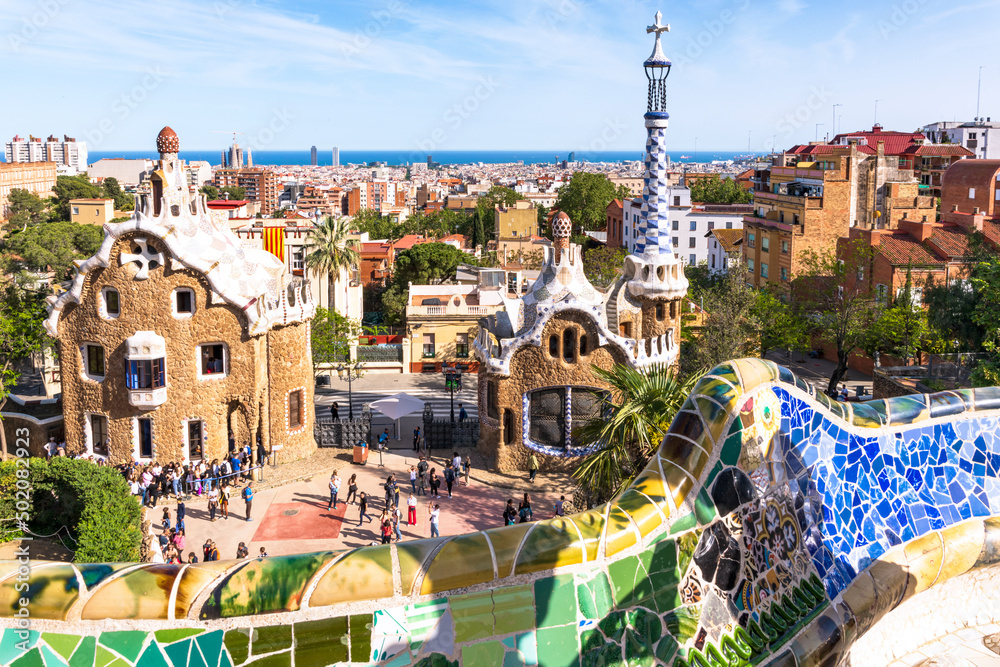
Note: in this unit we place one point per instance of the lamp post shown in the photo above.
(452, 381)
(350, 371)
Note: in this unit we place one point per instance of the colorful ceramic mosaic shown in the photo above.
(772, 526)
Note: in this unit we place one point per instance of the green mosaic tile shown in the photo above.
(238, 644)
(513, 609)
(52, 590)
(51, 658)
(211, 646)
(178, 652)
(83, 656)
(152, 657)
(595, 597)
(527, 646)
(319, 643)
(630, 584)
(590, 640)
(463, 561)
(473, 615)
(196, 659)
(436, 660)
(105, 657)
(483, 654)
(513, 659)
(265, 585)
(667, 595)
(175, 634)
(553, 543)
(666, 649)
(613, 625)
(558, 647)
(733, 446)
(95, 573)
(127, 644)
(686, 544)
(275, 660)
(663, 556)
(360, 628)
(32, 658)
(686, 522)
(606, 655)
(555, 601)
(413, 557)
(683, 623)
(713, 473)
(224, 660)
(271, 638)
(63, 645)
(9, 649)
(704, 508)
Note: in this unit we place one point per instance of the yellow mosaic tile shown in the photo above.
(553, 543)
(685, 454)
(413, 557)
(678, 481)
(714, 415)
(620, 534)
(143, 593)
(990, 553)
(962, 545)
(751, 373)
(923, 559)
(590, 524)
(363, 574)
(651, 484)
(862, 599)
(644, 512)
(193, 581)
(464, 561)
(54, 590)
(506, 541)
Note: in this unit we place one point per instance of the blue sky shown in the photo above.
(514, 74)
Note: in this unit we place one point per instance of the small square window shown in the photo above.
(765, 244)
(76, 210)
(692, 260)
(112, 302)
(784, 247)
(750, 266)
(692, 242)
(675, 225)
(212, 360)
(763, 270)
(784, 275)
(462, 345)
(693, 226)
(295, 408)
(183, 302)
(676, 241)
(93, 357)
(729, 225)
(677, 200)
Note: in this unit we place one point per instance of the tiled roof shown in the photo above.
(903, 249)
(825, 149)
(930, 150)
(728, 238)
(895, 142)
(951, 240)
(991, 230)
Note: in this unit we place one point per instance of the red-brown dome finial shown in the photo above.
(167, 141)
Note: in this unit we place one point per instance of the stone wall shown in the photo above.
(289, 369)
(884, 386)
(37, 435)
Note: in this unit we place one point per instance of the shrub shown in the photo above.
(91, 502)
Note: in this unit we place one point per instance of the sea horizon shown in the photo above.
(403, 158)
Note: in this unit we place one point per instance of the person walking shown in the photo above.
(532, 468)
(560, 506)
(352, 490)
(335, 411)
(248, 498)
(416, 439)
(462, 414)
(435, 518)
(386, 528)
(213, 503)
(467, 468)
(422, 476)
(434, 482)
(363, 509)
(181, 513)
(411, 510)
(166, 518)
(524, 510)
(413, 479)
(334, 490)
(449, 477)
(242, 551)
(391, 491)
(396, 517)
(224, 500)
(509, 513)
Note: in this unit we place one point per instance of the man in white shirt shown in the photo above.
(435, 516)
(456, 463)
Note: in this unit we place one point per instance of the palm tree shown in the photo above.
(331, 250)
(630, 430)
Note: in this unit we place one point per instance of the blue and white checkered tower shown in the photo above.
(653, 270)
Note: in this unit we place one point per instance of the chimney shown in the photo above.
(954, 208)
(975, 210)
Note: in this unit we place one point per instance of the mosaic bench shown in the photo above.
(773, 527)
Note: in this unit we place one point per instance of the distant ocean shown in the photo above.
(325, 157)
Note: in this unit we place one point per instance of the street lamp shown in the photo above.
(452, 381)
(350, 372)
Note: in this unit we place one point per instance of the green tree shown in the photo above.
(428, 264)
(729, 329)
(635, 417)
(839, 308)
(778, 326)
(478, 232)
(52, 246)
(113, 190)
(331, 250)
(701, 279)
(235, 192)
(331, 336)
(210, 191)
(902, 328)
(377, 225)
(543, 220)
(72, 187)
(24, 209)
(586, 197)
(716, 190)
(603, 265)
(392, 302)
(497, 195)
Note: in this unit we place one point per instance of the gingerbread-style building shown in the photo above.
(536, 382)
(175, 338)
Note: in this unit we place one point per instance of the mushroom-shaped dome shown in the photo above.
(562, 226)
(167, 141)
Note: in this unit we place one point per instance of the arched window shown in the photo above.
(659, 312)
(553, 345)
(583, 345)
(552, 418)
(569, 345)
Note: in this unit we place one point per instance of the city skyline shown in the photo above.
(447, 76)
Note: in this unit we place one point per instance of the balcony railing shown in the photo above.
(477, 311)
(380, 353)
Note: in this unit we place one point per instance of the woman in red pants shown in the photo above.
(411, 515)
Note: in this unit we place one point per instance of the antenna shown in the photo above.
(749, 132)
(232, 132)
(833, 130)
(979, 89)
(876, 113)
(818, 125)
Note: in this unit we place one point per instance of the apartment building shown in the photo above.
(981, 136)
(816, 194)
(515, 222)
(930, 161)
(37, 177)
(68, 152)
(382, 196)
(261, 185)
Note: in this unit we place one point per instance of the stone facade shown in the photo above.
(203, 338)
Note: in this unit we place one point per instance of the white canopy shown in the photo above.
(398, 406)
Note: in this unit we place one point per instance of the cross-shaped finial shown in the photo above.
(658, 27)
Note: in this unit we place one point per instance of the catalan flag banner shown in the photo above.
(274, 241)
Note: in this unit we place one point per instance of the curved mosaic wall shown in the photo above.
(773, 527)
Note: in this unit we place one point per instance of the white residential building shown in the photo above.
(68, 152)
(128, 173)
(723, 248)
(689, 223)
(981, 136)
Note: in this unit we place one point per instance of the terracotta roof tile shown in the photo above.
(951, 240)
(728, 238)
(903, 249)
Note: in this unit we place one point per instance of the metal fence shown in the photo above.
(380, 353)
(344, 432)
(445, 434)
(957, 367)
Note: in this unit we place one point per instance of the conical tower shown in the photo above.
(655, 277)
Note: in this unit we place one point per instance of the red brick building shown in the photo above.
(929, 163)
(615, 224)
(261, 185)
(972, 187)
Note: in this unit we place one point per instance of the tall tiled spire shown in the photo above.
(653, 270)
